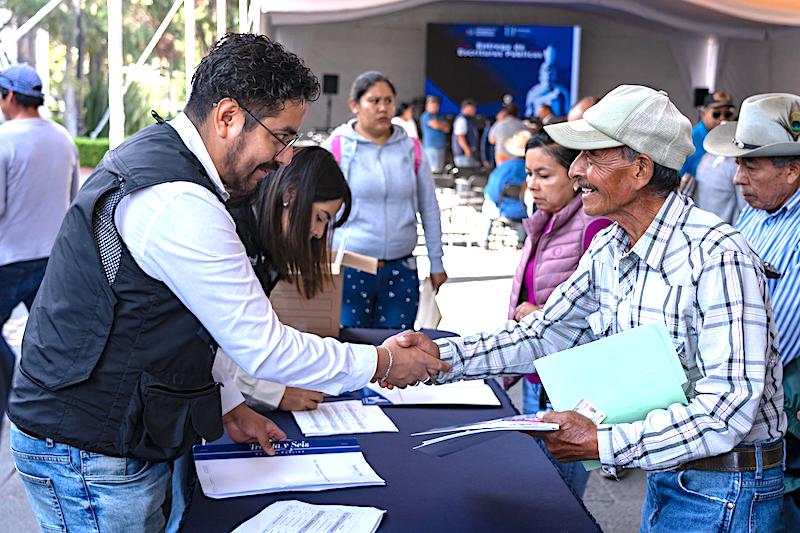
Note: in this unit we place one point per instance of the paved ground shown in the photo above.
(475, 298)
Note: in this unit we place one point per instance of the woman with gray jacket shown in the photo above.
(391, 183)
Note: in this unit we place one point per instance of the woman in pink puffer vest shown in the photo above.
(558, 234)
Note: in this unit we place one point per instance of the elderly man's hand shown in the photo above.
(575, 440)
(415, 359)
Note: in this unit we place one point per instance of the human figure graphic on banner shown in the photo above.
(547, 91)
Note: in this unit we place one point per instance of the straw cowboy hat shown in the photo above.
(768, 126)
(515, 145)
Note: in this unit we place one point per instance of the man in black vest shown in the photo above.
(146, 278)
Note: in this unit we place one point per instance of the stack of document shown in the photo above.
(294, 516)
(227, 470)
(484, 430)
(626, 375)
(343, 418)
(475, 392)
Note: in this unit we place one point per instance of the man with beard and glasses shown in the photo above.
(146, 279)
(714, 464)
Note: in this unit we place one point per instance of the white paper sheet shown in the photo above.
(315, 464)
(342, 418)
(294, 516)
(467, 435)
(475, 392)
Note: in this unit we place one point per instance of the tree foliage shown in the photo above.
(79, 41)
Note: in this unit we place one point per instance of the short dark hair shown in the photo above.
(511, 110)
(664, 181)
(23, 99)
(563, 155)
(468, 101)
(312, 176)
(365, 80)
(402, 108)
(257, 72)
(784, 161)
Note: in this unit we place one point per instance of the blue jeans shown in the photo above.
(704, 501)
(387, 300)
(574, 474)
(74, 490)
(19, 282)
(465, 161)
(436, 158)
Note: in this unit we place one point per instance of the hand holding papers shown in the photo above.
(299, 517)
(345, 417)
(227, 470)
(475, 392)
(626, 375)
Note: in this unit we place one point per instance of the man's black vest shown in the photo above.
(112, 361)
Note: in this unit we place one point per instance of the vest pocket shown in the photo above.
(163, 421)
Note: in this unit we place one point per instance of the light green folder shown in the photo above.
(626, 375)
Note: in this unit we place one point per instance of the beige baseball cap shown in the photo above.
(635, 116)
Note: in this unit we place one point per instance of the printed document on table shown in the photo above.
(626, 375)
(294, 516)
(474, 392)
(227, 470)
(342, 418)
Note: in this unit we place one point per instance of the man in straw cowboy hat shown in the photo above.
(764, 142)
(715, 463)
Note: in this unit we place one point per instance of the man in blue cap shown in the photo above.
(38, 179)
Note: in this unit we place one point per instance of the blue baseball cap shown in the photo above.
(22, 79)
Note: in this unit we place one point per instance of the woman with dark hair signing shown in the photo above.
(285, 227)
(391, 182)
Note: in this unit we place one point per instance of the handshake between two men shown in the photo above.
(408, 358)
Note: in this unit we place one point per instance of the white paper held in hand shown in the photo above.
(343, 418)
(294, 516)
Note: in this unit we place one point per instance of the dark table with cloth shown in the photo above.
(505, 484)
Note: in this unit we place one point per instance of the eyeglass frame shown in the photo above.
(285, 144)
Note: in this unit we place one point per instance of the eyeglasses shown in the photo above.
(280, 138)
(727, 114)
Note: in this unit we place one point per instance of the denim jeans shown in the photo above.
(78, 491)
(435, 158)
(465, 161)
(19, 282)
(705, 501)
(574, 474)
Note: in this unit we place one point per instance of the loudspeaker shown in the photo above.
(330, 84)
(700, 94)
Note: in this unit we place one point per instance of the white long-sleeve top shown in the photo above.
(181, 234)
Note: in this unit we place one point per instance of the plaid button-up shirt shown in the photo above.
(698, 276)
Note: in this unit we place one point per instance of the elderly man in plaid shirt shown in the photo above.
(716, 463)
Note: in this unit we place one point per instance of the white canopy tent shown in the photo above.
(709, 41)
(710, 23)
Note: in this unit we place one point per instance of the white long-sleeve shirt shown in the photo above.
(181, 234)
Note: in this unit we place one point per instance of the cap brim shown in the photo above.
(580, 135)
(719, 141)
